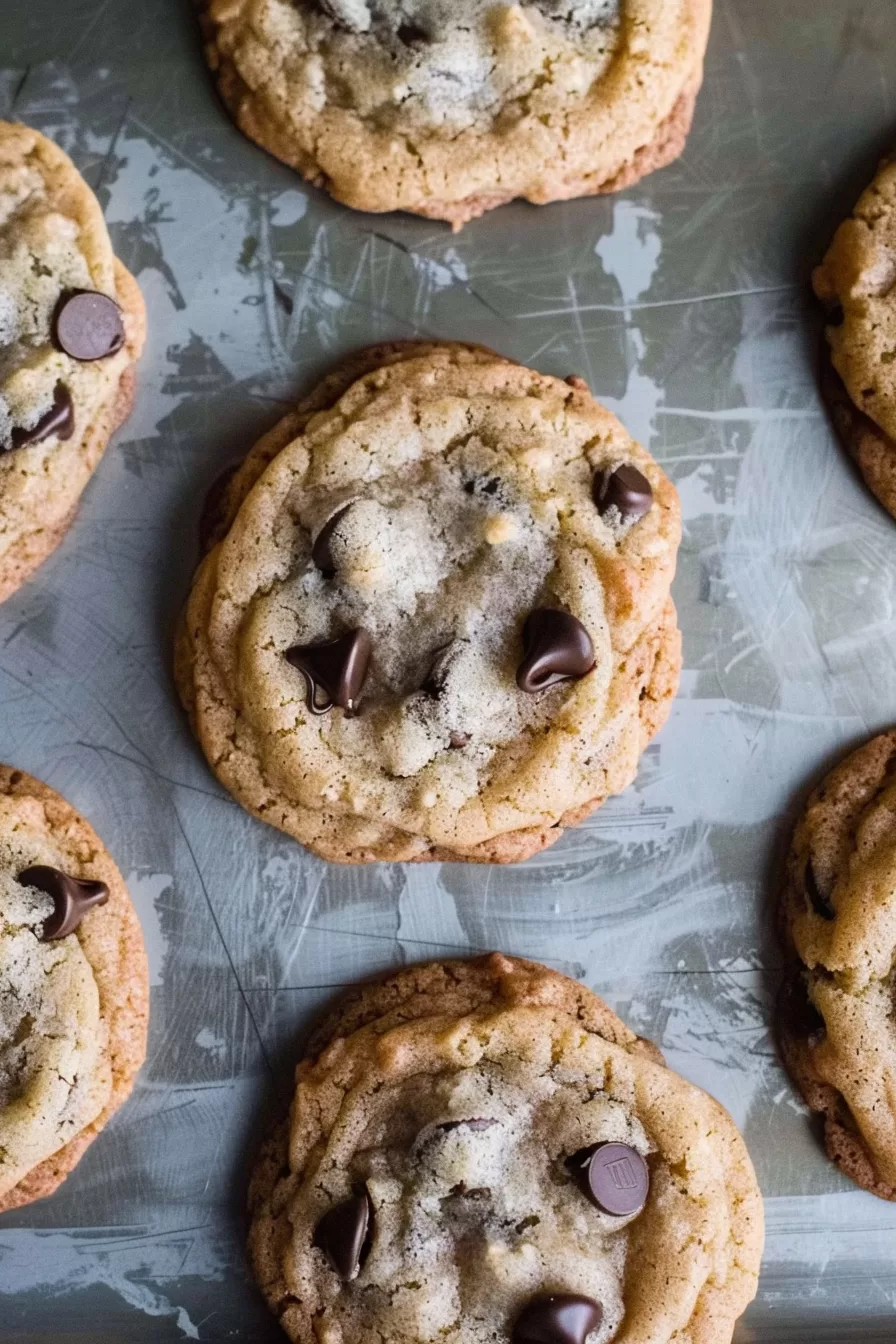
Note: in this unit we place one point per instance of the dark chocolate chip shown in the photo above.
(561, 1318)
(458, 740)
(72, 898)
(575, 381)
(799, 1015)
(625, 489)
(834, 316)
(556, 647)
(476, 1125)
(320, 550)
(58, 420)
(816, 897)
(411, 34)
(337, 669)
(614, 1176)
(344, 1234)
(88, 325)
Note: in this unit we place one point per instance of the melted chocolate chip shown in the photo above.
(344, 1234)
(816, 897)
(625, 489)
(72, 898)
(320, 550)
(88, 326)
(614, 1177)
(561, 1318)
(800, 1016)
(58, 420)
(336, 669)
(556, 647)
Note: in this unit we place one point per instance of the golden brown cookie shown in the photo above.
(835, 1013)
(450, 109)
(74, 991)
(857, 284)
(367, 651)
(72, 325)
(476, 1150)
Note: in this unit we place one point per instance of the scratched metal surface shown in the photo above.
(684, 302)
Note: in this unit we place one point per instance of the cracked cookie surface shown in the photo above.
(60, 400)
(451, 1098)
(73, 1009)
(856, 281)
(835, 1014)
(455, 495)
(449, 109)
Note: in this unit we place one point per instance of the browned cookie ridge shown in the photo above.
(448, 110)
(838, 917)
(74, 992)
(72, 325)
(428, 628)
(856, 281)
(481, 1150)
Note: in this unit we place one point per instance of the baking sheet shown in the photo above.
(684, 303)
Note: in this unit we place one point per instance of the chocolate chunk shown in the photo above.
(625, 490)
(411, 34)
(613, 1176)
(88, 325)
(58, 420)
(72, 898)
(560, 1318)
(816, 897)
(344, 1234)
(556, 647)
(320, 550)
(458, 740)
(336, 669)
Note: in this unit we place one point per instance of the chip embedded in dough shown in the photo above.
(425, 1185)
(838, 915)
(436, 622)
(73, 1006)
(448, 108)
(72, 326)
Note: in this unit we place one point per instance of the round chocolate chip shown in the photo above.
(88, 325)
(336, 669)
(320, 550)
(72, 898)
(614, 1176)
(344, 1234)
(58, 420)
(556, 647)
(625, 489)
(560, 1318)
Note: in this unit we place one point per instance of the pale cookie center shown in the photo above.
(475, 1212)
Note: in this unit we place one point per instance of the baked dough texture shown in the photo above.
(53, 240)
(835, 1019)
(455, 1093)
(448, 108)
(468, 481)
(857, 283)
(73, 1011)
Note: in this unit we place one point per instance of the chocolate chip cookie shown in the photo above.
(73, 989)
(72, 325)
(482, 1151)
(437, 623)
(835, 1013)
(857, 284)
(447, 108)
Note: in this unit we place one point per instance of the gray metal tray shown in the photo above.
(684, 302)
